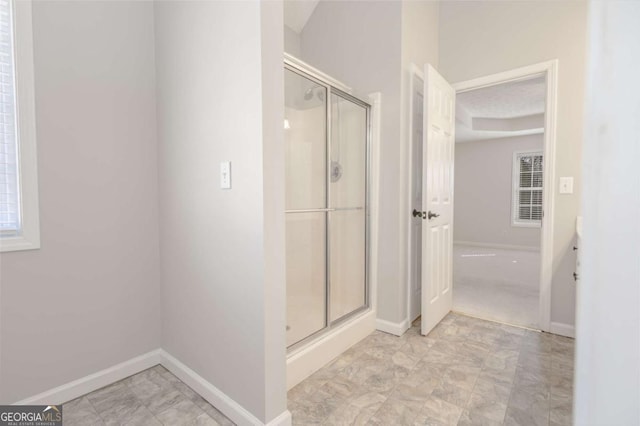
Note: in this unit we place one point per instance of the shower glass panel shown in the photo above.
(306, 276)
(347, 190)
(305, 158)
(306, 142)
(326, 144)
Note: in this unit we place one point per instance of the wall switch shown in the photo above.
(566, 185)
(225, 175)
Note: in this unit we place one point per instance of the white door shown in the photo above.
(437, 198)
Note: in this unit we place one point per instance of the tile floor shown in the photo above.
(465, 372)
(152, 397)
(496, 284)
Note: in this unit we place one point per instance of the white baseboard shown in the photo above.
(496, 246)
(95, 381)
(108, 376)
(230, 408)
(562, 329)
(309, 359)
(395, 328)
(283, 419)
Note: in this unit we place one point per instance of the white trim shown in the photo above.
(230, 408)
(395, 328)
(516, 74)
(92, 382)
(496, 246)
(548, 196)
(562, 329)
(523, 224)
(375, 100)
(314, 72)
(283, 419)
(516, 188)
(550, 70)
(310, 358)
(29, 237)
(108, 376)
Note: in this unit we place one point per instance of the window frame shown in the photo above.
(515, 190)
(28, 237)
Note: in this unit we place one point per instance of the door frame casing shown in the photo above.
(549, 69)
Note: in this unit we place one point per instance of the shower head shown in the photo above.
(311, 92)
(308, 94)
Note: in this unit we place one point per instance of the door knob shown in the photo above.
(432, 215)
(417, 213)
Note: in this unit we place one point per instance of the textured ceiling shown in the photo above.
(505, 100)
(298, 12)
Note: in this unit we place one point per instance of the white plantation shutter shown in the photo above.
(527, 196)
(9, 189)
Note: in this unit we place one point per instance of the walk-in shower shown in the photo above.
(327, 148)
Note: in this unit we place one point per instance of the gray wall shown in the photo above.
(222, 251)
(292, 42)
(481, 38)
(359, 44)
(483, 192)
(88, 299)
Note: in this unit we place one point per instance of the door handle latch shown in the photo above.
(417, 213)
(432, 215)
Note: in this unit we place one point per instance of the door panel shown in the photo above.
(306, 274)
(347, 202)
(305, 143)
(438, 155)
(306, 198)
(347, 257)
(348, 154)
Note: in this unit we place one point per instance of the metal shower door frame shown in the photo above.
(333, 87)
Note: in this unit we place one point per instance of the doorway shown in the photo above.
(525, 204)
(498, 191)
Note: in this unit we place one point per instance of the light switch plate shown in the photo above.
(566, 185)
(225, 175)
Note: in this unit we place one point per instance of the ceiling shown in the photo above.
(500, 111)
(298, 12)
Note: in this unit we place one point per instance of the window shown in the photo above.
(19, 222)
(527, 189)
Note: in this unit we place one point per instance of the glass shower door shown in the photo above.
(347, 203)
(306, 198)
(326, 139)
